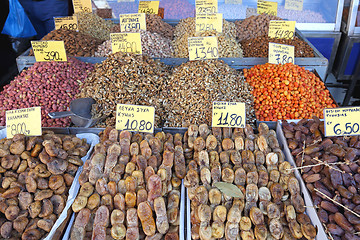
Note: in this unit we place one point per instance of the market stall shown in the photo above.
(192, 132)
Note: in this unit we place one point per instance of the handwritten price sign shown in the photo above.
(206, 6)
(281, 53)
(82, 6)
(25, 121)
(135, 118)
(149, 7)
(342, 121)
(294, 5)
(282, 29)
(209, 22)
(228, 114)
(47, 51)
(201, 48)
(70, 23)
(267, 7)
(126, 42)
(132, 21)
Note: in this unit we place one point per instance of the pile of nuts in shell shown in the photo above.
(130, 187)
(127, 79)
(228, 46)
(331, 171)
(155, 24)
(76, 43)
(94, 26)
(50, 85)
(193, 86)
(254, 26)
(152, 44)
(36, 174)
(259, 46)
(268, 202)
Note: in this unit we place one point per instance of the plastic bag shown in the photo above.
(17, 23)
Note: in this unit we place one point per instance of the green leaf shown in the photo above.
(229, 189)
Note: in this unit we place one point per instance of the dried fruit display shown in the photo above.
(51, 85)
(227, 44)
(36, 174)
(152, 44)
(259, 47)
(128, 79)
(330, 169)
(193, 86)
(94, 25)
(130, 187)
(287, 92)
(76, 43)
(267, 204)
(254, 26)
(155, 24)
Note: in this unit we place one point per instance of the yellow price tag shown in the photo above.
(267, 7)
(282, 29)
(126, 42)
(69, 22)
(25, 121)
(228, 114)
(135, 118)
(281, 53)
(201, 48)
(209, 22)
(342, 121)
(233, 1)
(82, 6)
(149, 7)
(294, 4)
(132, 21)
(206, 6)
(47, 51)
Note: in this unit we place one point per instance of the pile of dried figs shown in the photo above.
(36, 174)
(240, 185)
(130, 187)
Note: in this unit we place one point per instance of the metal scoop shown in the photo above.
(80, 112)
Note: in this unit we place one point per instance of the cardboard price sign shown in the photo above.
(82, 6)
(126, 42)
(267, 7)
(25, 121)
(206, 6)
(201, 48)
(149, 7)
(281, 53)
(209, 22)
(132, 21)
(228, 114)
(342, 121)
(282, 29)
(69, 22)
(135, 118)
(47, 51)
(294, 4)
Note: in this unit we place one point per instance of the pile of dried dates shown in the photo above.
(331, 171)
